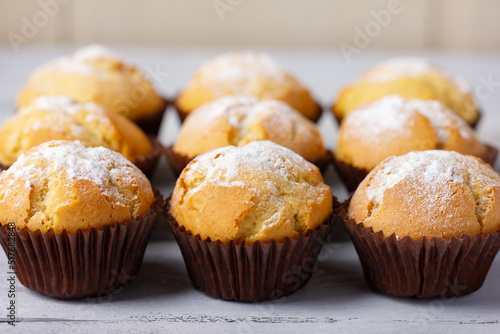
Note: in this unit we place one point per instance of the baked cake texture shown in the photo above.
(261, 191)
(409, 78)
(247, 73)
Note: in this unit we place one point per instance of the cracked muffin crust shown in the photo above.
(395, 126)
(96, 74)
(432, 193)
(261, 191)
(238, 120)
(66, 186)
(62, 118)
(409, 78)
(248, 73)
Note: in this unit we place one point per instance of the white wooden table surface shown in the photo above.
(337, 298)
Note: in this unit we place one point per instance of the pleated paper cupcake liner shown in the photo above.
(250, 273)
(179, 161)
(82, 264)
(150, 124)
(491, 155)
(148, 163)
(323, 162)
(350, 175)
(424, 268)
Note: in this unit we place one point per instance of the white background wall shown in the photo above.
(437, 24)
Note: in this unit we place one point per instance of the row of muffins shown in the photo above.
(424, 219)
(272, 198)
(91, 75)
(250, 221)
(96, 74)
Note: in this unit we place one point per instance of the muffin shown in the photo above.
(247, 219)
(395, 126)
(247, 73)
(426, 224)
(82, 216)
(96, 74)
(239, 120)
(410, 78)
(61, 118)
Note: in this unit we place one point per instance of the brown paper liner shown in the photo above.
(179, 161)
(424, 268)
(148, 163)
(350, 175)
(151, 124)
(183, 114)
(323, 162)
(176, 160)
(250, 273)
(82, 264)
(491, 155)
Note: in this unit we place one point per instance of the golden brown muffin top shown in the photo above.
(238, 120)
(66, 186)
(395, 126)
(61, 118)
(410, 78)
(95, 74)
(261, 191)
(396, 68)
(247, 73)
(431, 193)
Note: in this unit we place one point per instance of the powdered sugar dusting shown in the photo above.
(463, 85)
(73, 161)
(441, 171)
(240, 119)
(400, 67)
(441, 118)
(383, 117)
(61, 103)
(392, 114)
(67, 105)
(49, 123)
(232, 107)
(239, 69)
(79, 62)
(274, 220)
(437, 168)
(56, 102)
(276, 187)
(95, 51)
(240, 110)
(224, 165)
(411, 67)
(66, 64)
